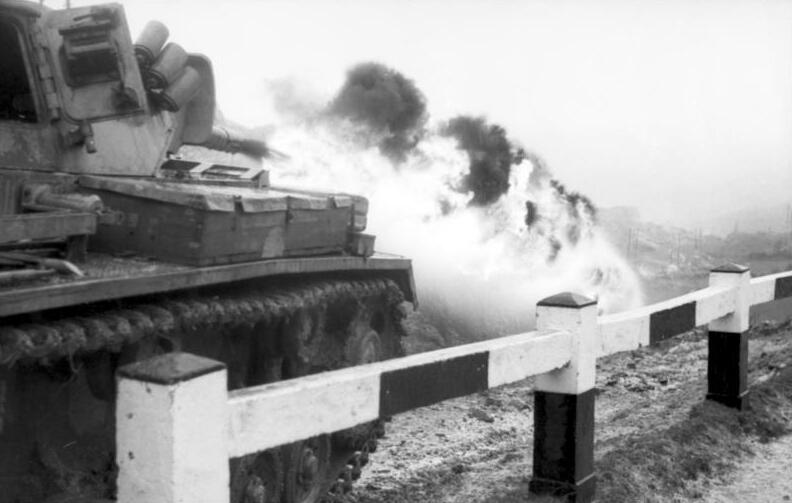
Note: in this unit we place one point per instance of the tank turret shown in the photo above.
(90, 98)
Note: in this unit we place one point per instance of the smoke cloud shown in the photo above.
(385, 101)
(489, 229)
(294, 100)
(491, 156)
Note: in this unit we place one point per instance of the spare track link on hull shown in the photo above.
(263, 334)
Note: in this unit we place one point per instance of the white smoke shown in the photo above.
(479, 270)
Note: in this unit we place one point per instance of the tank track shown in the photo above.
(182, 322)
(364, 445)
(47, 341)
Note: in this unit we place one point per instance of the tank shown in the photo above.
(133, 223)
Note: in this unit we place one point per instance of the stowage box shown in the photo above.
(205, 224)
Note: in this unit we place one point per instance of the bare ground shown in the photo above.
(763, 478)
(657, 440)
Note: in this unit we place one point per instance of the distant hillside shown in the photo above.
(672, 260)
(777, 218)
(741, 218)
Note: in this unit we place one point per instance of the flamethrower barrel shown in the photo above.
(234, 142)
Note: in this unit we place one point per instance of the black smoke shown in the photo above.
(578, 206)
(575, 200)
(393, 108)
(531, 213)
(387, 102)
(491, 156)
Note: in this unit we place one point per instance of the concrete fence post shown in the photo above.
(171, 431)
(727, 362)
(563, 454)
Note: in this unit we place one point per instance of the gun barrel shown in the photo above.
(231, 141)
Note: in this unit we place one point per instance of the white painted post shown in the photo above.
(727, 362)
(171, 431)
(563, 456)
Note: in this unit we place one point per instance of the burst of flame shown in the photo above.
(479, 270)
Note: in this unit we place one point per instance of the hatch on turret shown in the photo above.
(97, 75)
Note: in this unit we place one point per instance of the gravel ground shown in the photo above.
(478, 448)
(765, 478)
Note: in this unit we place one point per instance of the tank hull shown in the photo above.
(57, 366)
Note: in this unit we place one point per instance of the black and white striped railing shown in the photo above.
(651, 324)
(177, 426)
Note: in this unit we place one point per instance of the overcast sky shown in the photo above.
(679, 107)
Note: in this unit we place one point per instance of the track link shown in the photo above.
(51, 340)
